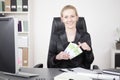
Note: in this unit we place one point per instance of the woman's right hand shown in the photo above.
(62, 56)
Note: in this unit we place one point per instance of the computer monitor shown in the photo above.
(8, 48)
(7, 45)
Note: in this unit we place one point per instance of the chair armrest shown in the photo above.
(96, 67)
(38, 66)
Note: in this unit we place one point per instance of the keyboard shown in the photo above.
(112, 71)
(23, 74)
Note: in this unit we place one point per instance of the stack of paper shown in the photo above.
(73, 50)
(22, 41)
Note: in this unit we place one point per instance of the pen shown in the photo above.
(70, 70)
(66, 70)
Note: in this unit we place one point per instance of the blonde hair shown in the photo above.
(68, 7)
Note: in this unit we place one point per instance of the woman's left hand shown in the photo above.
(84, 46)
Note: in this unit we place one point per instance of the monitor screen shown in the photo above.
(7, 45)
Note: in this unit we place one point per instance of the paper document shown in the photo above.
(100, 76)
(71, 76)
(73, 50)
(93, 74)
(79, 70)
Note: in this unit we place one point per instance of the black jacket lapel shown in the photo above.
(63, 38)
(77, 37)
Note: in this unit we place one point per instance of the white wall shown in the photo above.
(102, 17)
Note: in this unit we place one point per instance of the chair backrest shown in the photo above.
(58, 25)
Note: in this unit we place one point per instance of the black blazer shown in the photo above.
(59, 42)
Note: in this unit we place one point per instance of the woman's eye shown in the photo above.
(72, 16)
(66, 17)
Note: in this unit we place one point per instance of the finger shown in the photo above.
(87, 47)
(79, 44)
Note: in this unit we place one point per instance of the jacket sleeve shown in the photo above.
(89, 57)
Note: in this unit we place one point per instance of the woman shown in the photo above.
(57, 57)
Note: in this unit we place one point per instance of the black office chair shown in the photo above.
(58, 26)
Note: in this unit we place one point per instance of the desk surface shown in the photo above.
(44, 74)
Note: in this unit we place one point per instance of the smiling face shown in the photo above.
(69, 18)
